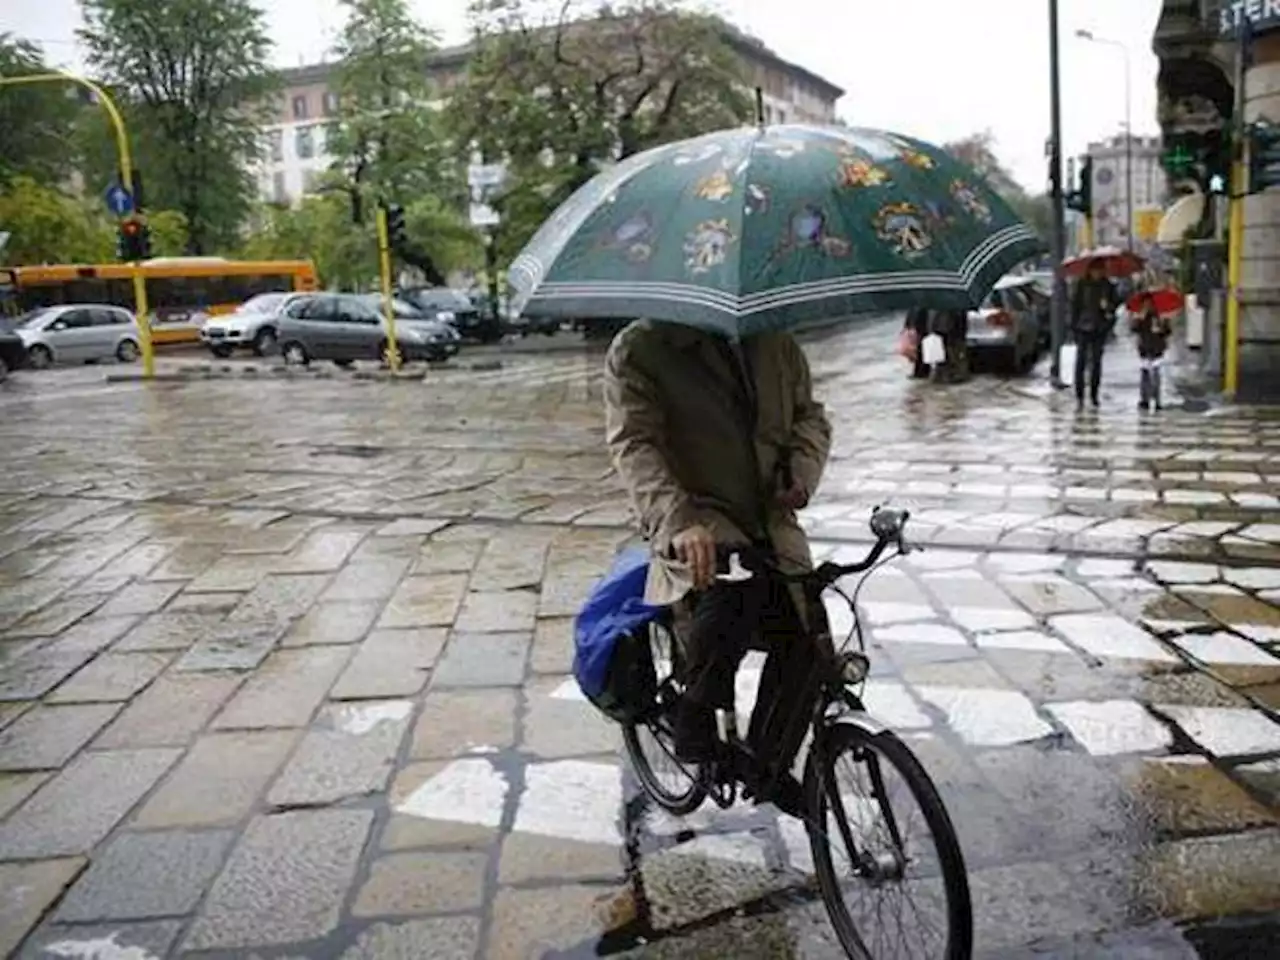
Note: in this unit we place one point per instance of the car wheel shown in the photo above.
(221, 351)
(295, 354)
(127, 352)
(39, 357)
(264, 343)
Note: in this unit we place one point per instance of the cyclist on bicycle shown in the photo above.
(719, 444)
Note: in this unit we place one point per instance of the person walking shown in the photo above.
(1093, 307)
(918, 323)
(1153, 332)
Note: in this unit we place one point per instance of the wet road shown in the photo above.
(284, 669)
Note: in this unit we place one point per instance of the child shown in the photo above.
(1153, 338)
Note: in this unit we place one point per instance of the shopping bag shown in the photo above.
(933, 350)
(1067, 364)
(908, 344)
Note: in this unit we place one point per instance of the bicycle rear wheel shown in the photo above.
(675, 786)
(909, 885)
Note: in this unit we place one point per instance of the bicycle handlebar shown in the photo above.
(887, 524)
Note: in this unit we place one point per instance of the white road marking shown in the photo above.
(571, 800)
(988, 718)
(1226, 731)
(465, 791)
(1107, 635)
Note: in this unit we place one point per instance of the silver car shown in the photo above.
(79, 333)
(1007, 326)
(254, 324)
(347, 327)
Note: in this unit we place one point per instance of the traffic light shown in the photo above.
(396, 235)
(1081, 199)
(135, 240)
(1264, 155)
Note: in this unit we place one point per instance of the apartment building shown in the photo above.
(294, 156)
(1110, 185)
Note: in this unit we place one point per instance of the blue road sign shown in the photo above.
(119, 200)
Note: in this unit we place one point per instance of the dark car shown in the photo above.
(456, 309)
(13, 353)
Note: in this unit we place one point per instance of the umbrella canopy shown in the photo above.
(1118, 263)
(1166, 302)
(757, 229)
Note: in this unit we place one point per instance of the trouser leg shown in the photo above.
(720, 626)
(1144, 386)
(1095, 368)
(1155, 382)
(1082, 360)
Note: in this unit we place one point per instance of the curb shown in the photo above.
(201, 372)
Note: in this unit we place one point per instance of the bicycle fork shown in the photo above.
(723, 784)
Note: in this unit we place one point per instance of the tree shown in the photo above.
(194, 78)
(35, 119)
(563, 95)
(387, 141)
(47, 226)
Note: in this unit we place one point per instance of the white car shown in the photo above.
(79, 333)
(254, 324)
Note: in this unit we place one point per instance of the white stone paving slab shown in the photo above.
(881, 612)
(1253, 578)
(1171, 571)
(1029, 640)
(988, 718)
(1091, 569)
(571, 800)
(942, 559)
(465, 791)
(1107, 635)
(1226, 731)
(987, 619)
(1262, 532)
(892, 705)
(1110, 727)
(740, 847)
(1025, 563)
(1225, 648)
(920, 633)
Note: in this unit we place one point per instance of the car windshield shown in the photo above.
(263, 303)
(403, 309)
(32, 319)
(440, 299)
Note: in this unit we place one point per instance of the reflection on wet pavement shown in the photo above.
(284, 670)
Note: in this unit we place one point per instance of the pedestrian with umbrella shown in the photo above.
(1093, 308)
(1150, 311)
(725, 243)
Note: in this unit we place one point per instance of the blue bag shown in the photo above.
(612, 661)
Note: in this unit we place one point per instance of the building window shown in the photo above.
(330, 103)
(275, 145)
(300, 107)
(278, 192)
(304, 143)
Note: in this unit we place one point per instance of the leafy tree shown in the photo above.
(387, 140)
(169, 233)
(48, 226)
(189, 73)
(35, 119)
(562, 95)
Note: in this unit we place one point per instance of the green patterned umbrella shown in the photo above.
(758, 229)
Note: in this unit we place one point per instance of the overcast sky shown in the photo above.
(936, 69)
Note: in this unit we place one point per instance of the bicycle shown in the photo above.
(840, 727)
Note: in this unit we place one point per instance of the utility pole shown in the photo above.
(1058, 310)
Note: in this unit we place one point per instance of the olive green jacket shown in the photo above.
(692, 447)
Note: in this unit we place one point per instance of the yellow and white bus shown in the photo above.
(181, 291)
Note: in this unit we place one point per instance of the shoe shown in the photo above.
(1094, 402)
(1159, 406)
(1144, 406)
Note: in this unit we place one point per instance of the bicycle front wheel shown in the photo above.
(886, 855)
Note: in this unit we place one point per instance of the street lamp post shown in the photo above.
(1058, 307)
(1128, 126)
(125, 161)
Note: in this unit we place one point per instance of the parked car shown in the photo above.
(13, 354)
(1008, 325)
(79, 332)
(455, 308)
(254, 324)
(345, 328)
(528, 326)
(447, 340)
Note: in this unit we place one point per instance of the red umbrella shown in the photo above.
(1166, 302)
(1117, 263)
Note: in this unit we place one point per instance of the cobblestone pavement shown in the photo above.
(284, 669)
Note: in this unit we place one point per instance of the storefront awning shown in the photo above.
(1179, 218)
